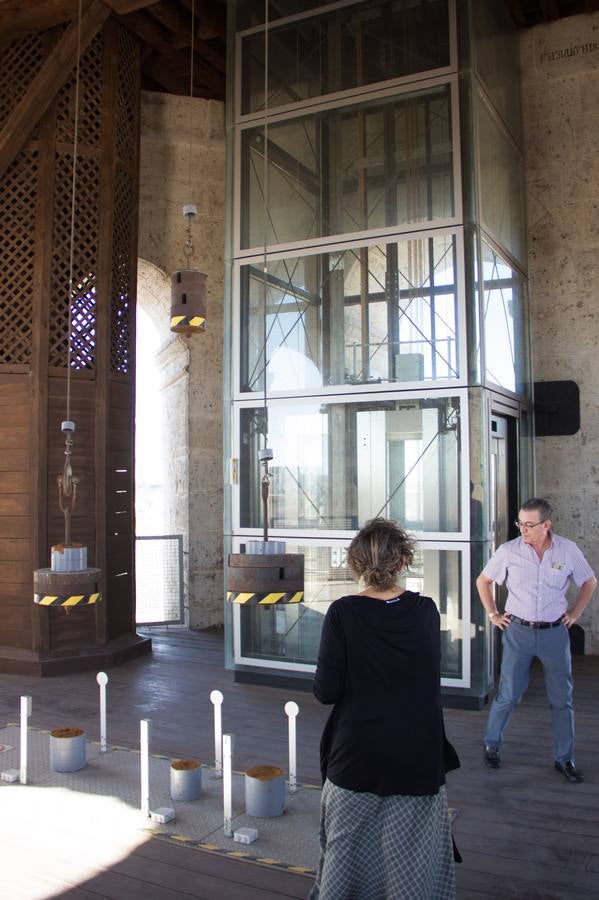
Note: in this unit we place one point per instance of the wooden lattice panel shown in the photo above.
(17, 258)
(127, 126)
(122, 256)
(20, 61)
(85, 263)
(90, 97)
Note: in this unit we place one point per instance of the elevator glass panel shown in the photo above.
(343, 49)
(505, 323)
(291, 633)
(382, 313)
(338, 464)
(355, 167)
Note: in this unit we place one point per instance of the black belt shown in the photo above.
(528, 624)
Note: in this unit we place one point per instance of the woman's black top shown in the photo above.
(380, 664)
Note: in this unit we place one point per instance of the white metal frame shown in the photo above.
(322, 399)
(415, 83)
(353, 389)
(467, 634)
(327, 240)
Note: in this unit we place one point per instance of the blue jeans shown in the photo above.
(552, 647)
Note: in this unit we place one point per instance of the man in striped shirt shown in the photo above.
(537, 568)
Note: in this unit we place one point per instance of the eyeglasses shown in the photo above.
(527, 525)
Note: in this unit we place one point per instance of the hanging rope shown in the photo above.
(191, 68)
(73, 194)
(265, 219)
(67, 484)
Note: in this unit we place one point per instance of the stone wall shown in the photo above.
(164, 189)
(560, 82)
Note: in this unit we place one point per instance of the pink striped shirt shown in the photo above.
(537, 588)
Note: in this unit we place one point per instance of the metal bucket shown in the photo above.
(264, 791)
(186, 780)
(67, 750)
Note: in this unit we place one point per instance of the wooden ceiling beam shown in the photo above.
(156, 69)
(149, 31)
(18, 18)
(51, 77)
(210, 16)
(124, 7)
(550, 9)
(179, 25)
(517, 13)
(174, 78)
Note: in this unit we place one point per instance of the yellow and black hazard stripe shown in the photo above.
(232, 854)
(188, 323)
(70, 600)
(269, 599)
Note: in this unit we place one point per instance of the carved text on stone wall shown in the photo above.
(568, 52)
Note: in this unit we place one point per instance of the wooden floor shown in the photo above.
(523, 831)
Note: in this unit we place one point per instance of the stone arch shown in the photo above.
(172, 367)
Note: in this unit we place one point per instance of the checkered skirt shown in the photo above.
(384, 848)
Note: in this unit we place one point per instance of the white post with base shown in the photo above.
(25, 713)
(102, 679)
(216, 698)
(292, 712)
(145, 726)
(227, 785)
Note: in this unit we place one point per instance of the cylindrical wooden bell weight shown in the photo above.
(188, 301)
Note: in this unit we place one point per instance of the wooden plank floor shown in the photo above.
(523, 831)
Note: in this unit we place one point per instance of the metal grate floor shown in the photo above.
(289, 841)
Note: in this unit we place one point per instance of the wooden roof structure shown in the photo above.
(164, 30)
(162, 26)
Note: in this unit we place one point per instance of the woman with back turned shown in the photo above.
(384, 828)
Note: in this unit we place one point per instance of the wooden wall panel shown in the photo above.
(16, 569)
(15, 527)
(16, 621)
(63, 312)
(120, 507)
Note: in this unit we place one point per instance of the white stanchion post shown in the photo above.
(216, 698)
(102, 679)
(25, 713)
(145, 731)
(292, 712)
(227, 785)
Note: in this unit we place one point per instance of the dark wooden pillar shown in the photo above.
(35, 225)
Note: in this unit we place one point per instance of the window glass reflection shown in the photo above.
(292, 633)
(342, 49)
(377, 164)
(504, 323)
(383, 313)
(502, 187)
(338, 464)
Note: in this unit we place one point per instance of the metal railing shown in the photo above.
(159, 579)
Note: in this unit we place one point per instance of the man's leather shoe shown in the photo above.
(569, 771)
(492, 758)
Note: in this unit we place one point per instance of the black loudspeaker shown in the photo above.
(556, 408)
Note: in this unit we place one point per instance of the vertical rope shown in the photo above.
(265, 196)
(191, 67)
(73, 192)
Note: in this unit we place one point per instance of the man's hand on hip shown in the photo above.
(500, 620)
